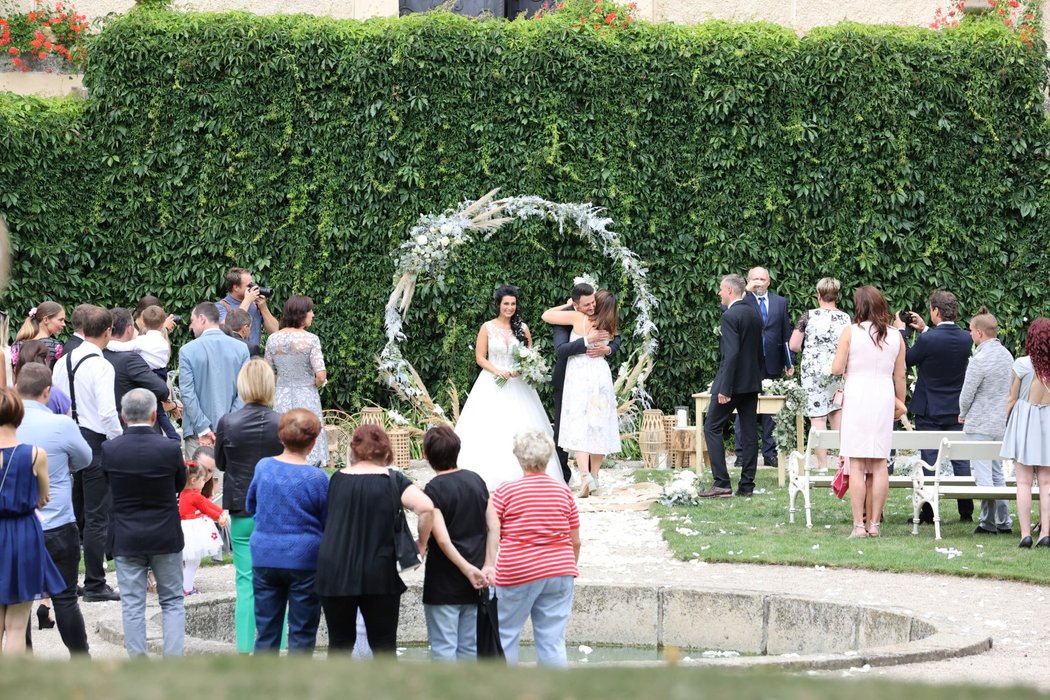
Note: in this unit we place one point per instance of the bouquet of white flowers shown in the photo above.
(530, 365)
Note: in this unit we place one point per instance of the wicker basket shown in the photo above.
(372, 415)
(651, 440)
(399, 444)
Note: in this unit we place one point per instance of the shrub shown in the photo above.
(304, 149)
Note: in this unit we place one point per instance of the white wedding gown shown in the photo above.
(493, 414)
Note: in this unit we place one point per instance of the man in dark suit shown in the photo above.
(776, 357)
(77, 321)
(736, 387)
(130, 370)
(146, 473)
(941, 353)
(583, 301)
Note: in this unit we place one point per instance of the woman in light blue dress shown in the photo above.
(1027, 438)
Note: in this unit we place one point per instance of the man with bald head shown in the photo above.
(776, 357)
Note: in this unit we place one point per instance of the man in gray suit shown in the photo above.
(982, 411)
(208, 368)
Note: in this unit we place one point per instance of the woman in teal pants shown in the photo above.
(241, 440)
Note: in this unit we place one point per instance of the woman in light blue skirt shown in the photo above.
(1027, 438)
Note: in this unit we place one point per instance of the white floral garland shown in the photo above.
(428, 252)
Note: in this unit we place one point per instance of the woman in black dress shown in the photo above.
(356, 565)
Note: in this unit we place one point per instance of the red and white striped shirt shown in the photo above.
(536, 512)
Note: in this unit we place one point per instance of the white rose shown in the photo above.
(525, 352)
(444, 240)
(767, 384)
(421, 240)
(446, 229)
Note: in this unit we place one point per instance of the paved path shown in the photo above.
(622, 544)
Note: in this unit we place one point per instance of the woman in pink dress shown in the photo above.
(871, 354)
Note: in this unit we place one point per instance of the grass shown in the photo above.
(757, 531)
(234, 678)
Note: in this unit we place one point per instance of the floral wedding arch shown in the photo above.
(430, 248)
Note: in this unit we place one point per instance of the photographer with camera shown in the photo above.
(242, 292)
(941, 352)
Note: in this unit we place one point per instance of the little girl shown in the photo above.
(198, 525)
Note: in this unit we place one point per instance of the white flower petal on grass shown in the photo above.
(816, 547)
(585, 649)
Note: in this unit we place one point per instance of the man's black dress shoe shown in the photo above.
(745, 494)
(983, 531)
(104, 595)
(1006, 530)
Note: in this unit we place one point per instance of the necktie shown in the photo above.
(762, 310)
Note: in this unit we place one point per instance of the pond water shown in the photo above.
(583, 654)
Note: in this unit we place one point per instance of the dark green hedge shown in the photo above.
(304, 149)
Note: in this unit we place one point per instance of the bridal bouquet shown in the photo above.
(530, 365)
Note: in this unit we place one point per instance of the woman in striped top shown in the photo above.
(532, 552)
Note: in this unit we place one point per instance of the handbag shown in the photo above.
(489, 644)
(405, 551)
(840, 484)
(836, 398)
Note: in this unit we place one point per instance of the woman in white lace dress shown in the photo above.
(295, 354)
(589, 423)
(500, 403)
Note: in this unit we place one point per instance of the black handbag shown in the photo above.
(489, 644)
(405, 550)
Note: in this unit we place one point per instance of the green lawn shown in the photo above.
(248, 678)
(756, 530)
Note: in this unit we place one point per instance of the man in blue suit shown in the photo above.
(776, 357)
(208, 369)
(941, 353)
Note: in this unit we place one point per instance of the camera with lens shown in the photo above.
(907, 317)
(265, 292)
(176, 318)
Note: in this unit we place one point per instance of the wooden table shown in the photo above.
(767, 404)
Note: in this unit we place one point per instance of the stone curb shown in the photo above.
(774, 631)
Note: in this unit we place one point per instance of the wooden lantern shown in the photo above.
(669, 424)
(651, 439)
(399, 445)
(372, 415)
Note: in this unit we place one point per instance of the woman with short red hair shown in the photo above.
(1027, 438)
(357, 566)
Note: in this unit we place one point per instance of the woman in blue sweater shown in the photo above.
(289, 499)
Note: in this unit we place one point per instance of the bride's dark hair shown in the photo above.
(516, 327)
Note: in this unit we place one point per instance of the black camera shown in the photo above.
(907, 317)
(176, 318)
(265, 292)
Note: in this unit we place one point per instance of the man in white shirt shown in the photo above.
(94, 409)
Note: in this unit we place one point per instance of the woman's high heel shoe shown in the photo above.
(873, 530)
(1026, 543)
(1045, 542)
(43, 617)
(858, 532)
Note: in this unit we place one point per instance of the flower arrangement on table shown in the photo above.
(530, 366)
(45, 31)
(784, 434)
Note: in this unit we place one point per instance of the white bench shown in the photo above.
(930, 489)
(802, 479)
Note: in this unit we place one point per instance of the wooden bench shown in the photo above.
(801, 478)
(930, 489)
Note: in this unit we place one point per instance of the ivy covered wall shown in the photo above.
(304, 149)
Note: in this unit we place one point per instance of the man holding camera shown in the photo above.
(242, 292)
(941, 353)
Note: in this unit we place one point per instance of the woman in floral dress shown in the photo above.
(295, 354)
(816, 336)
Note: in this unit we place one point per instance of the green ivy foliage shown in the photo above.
(304, 148)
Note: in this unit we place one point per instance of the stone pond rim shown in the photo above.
(775, 630)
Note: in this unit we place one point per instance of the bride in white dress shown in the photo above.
(590, 426)
(493, 414)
